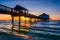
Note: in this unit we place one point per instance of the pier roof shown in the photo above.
(18, 7)
(44, 16)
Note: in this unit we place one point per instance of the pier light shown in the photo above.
(16, 18)
(27, 18)
(22, 18)
(33, 19)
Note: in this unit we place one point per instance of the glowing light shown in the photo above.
(27, 18)
(16, 18)
(25, 25)
(33, 19)
(22, 17)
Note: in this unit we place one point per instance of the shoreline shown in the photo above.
(6, 36)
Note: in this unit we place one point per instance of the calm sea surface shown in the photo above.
(34, 31)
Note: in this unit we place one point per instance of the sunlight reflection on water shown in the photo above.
(36, 28)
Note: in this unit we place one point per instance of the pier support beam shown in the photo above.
(19, 23)
(12, 23)
(25, 21)
(30, 21)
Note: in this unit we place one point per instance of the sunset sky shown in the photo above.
(36, 7)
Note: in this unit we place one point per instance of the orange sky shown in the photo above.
(55, 17)
(8, 17)
(5, 17)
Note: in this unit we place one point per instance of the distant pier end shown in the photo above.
(44, 17)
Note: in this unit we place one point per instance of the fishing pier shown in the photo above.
(17, 11)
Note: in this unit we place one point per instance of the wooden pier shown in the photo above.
(16, 11)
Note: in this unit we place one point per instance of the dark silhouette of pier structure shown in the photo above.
(16, 11)
(44, 17)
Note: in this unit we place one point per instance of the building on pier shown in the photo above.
(44, 17)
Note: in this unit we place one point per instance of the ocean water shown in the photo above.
(35, 31)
